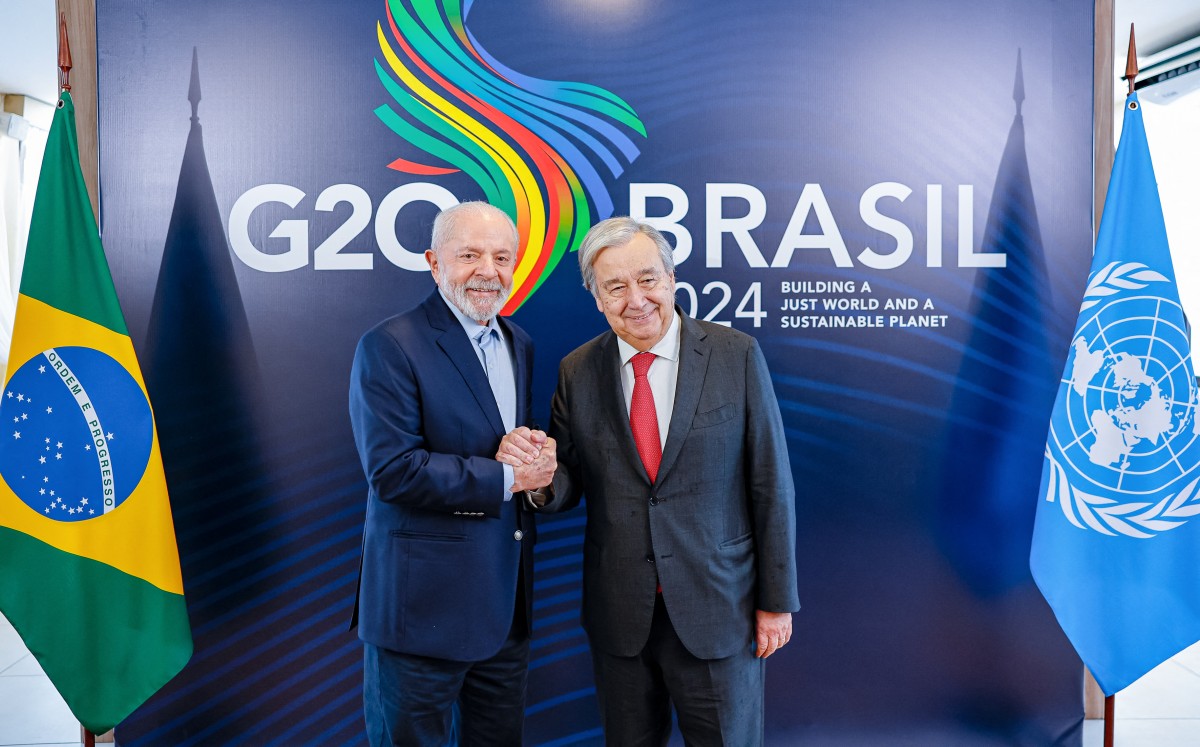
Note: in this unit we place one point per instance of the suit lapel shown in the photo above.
(520, 370)
(613, 402)
(458, 348)
(693, 366)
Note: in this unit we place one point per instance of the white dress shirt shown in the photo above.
(663, 374)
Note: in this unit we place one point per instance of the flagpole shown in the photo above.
(64, 83)
(1110, 702)
(1110, 719)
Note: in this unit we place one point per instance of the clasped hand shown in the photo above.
(532, 455)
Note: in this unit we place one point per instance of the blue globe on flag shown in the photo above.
(78, 433)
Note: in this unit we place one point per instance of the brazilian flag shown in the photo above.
(89, 570)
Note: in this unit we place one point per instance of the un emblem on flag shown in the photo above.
(1124, 440)
(80, 436)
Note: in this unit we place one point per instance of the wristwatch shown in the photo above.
(534, 499)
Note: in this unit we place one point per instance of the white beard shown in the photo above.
(477, 309)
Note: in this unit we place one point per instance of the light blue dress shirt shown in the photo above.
(495, 355)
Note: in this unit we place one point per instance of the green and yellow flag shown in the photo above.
(89, 570)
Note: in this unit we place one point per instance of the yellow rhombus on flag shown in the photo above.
(89, 570)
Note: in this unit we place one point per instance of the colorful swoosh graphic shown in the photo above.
(528, 143)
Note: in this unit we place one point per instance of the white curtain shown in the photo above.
(20, 166)
(12, 239)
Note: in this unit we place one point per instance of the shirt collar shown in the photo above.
(469, 325)
(667, 347)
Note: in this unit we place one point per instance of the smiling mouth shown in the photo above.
(641, 318)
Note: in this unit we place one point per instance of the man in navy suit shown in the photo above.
(669, 428)
(447, 568)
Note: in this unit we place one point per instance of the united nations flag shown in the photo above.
(1115, 547)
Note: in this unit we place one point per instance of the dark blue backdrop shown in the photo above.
(916, 449)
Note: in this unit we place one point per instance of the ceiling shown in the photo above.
(28, 42)
(1158, 24)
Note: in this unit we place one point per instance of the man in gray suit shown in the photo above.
(670, 428)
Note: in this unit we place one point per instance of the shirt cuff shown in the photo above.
(508, 481)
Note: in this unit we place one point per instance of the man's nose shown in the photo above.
(486, 267)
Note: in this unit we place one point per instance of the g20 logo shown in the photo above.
(335, 252)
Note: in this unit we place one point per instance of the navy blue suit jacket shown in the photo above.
(441, 548)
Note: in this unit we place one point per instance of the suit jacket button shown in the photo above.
(517, 535)
(654, 500)
(650, 558)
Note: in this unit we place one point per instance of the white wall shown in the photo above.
(1173, 131)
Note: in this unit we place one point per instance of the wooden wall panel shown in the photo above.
(81, 28)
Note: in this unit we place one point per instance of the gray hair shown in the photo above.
(617, 232)
(446, 222)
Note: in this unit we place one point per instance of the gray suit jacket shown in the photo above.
(718, 526)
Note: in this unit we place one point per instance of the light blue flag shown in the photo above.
(1116, 542)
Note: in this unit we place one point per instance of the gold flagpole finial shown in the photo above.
(1131, 66)
(64, 54)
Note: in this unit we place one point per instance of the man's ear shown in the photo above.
(431, 259)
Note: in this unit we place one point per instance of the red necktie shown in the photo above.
(643, 418)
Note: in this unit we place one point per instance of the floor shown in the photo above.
(1160, 710)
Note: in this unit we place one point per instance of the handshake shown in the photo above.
(534, 458)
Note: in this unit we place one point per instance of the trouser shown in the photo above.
(717, 701)
(418, 701)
